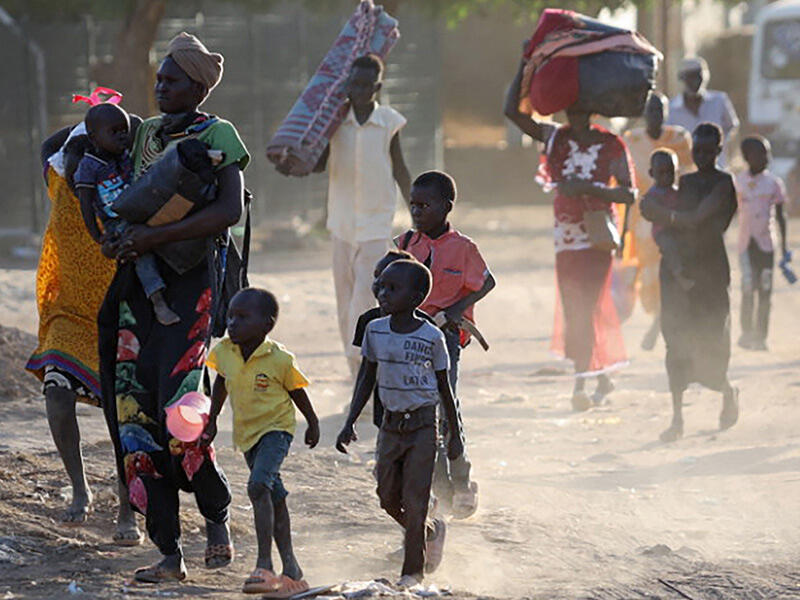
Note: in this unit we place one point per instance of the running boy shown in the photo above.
(365, 162)
(408, 357)
(100, 178)
(758, 191)
(663, 164)
(265, 386)
(460, 279)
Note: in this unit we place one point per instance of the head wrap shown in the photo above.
(690, 64)
(196, 61)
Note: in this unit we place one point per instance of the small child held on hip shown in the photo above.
(460, 279)
(265, 386)
(375, 313)
(408, 358)
(670, 242)
(758, 192)
(101, 176)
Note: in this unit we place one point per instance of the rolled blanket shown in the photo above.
(579, 62)
(302, 137)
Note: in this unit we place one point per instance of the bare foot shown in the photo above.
(78, 510)
(730, 409)
(164, 314)
(674, 433)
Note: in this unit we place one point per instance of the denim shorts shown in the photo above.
(265, 459)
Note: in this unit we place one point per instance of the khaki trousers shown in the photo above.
(353, 270)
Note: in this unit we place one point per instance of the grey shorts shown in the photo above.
(265, 460)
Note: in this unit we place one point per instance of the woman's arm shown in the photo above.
(87, 197)
(399, 168)
(535, 129)
(208, 221)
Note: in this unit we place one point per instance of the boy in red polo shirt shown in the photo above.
(460, 279)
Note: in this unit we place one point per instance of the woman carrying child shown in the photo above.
(695, 321)
(146, 365)
(590, 169)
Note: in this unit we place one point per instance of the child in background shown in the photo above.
(460, 279)
(265, 386)
(758, 191)
(670, 242)
(376, 313)
(408, 358)
(101, 176)
(366, 168)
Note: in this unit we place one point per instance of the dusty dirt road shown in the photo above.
(572, 505)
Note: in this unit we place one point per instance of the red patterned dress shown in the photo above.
(587, 328)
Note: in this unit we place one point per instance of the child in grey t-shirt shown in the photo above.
(408, 358)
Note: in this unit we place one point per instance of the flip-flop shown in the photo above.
(289, 587)
(261, 581)
(158, 574)
(126, 537)
(218, 555)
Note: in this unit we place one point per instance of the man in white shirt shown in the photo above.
(699, 105)
(366, 168)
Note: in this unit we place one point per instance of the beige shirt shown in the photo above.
(362, 193)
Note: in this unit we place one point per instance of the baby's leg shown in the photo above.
(153, 284)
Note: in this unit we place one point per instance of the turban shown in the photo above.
(692, 64)
(196, 61)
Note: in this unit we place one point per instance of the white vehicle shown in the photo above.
(774, 102)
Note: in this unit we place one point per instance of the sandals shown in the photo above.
(289, 587)
(158, 574)
(218, 555)
(262, 581)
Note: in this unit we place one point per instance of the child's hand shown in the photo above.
(312, 434)
(346, 435)
(455, 447)
(453, 314)
(209, 433)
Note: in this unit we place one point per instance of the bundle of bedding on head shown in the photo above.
(304, 134)
(573, 61)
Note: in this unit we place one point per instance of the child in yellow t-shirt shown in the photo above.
(265, 386)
